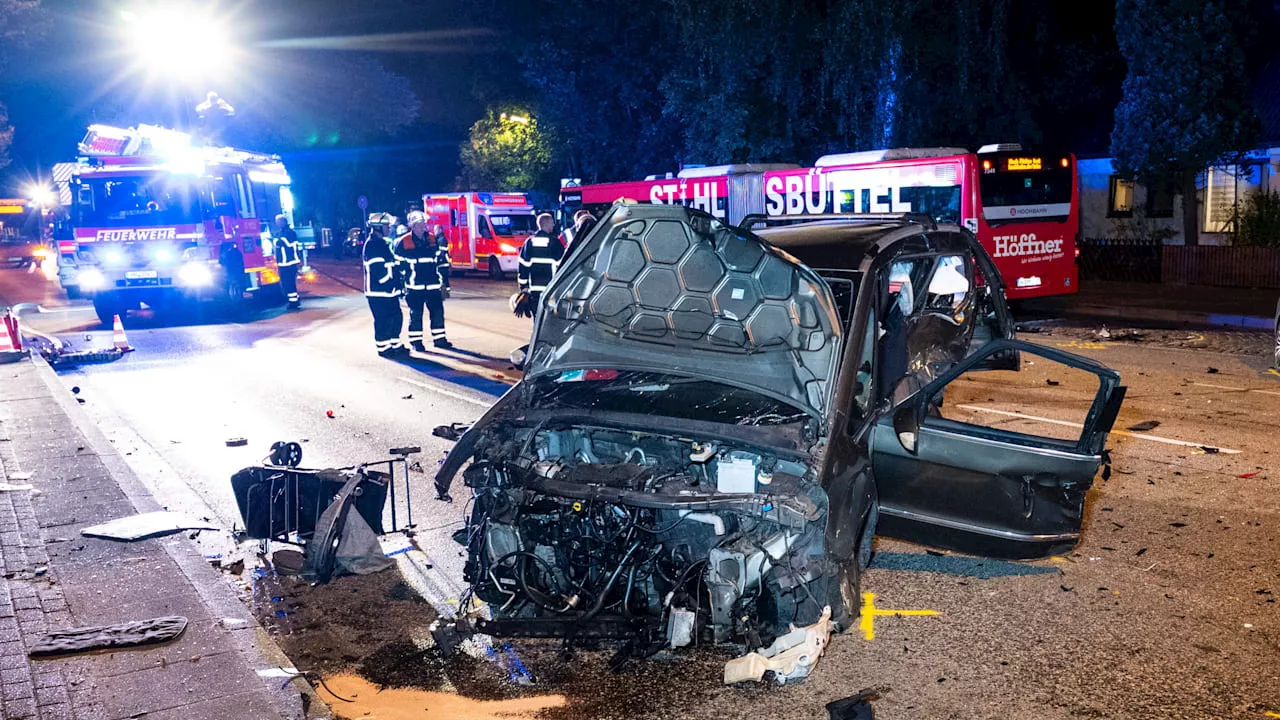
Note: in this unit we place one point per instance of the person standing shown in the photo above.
(382, 287)
(288, 260)
(419, 255)
(583, 221)
(539, 258)
(442, 259)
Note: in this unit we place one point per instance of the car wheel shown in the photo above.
(107, 307)
(495, 269)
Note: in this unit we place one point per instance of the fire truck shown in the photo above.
(162, 221)
(1022, 206)
(485, 229)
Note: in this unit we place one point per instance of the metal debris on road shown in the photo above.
(1145, 426)
(237, 442)
(103, 637)
(791, 656)
(854, 707)
(147, 525)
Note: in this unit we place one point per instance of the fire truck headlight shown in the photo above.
(196, 274)
(164, 255)
(113, 257)
(91, 279)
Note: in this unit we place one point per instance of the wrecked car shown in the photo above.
(714, 422)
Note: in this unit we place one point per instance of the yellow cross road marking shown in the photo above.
(1273, 714)
(867, 623)
(1273, 371)
(1082, 345)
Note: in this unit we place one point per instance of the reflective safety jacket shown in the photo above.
(286, 247)
(423, 267)
(539, 257)
(381, 278)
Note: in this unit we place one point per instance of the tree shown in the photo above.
(1185, 101)
(21, 23)
(506, 151)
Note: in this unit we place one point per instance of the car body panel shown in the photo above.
(652, 289)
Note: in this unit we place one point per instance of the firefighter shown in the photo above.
(442, 259)
(539, 258)
(424, 279)
(583, 221)
(382, 287)
(288, 259)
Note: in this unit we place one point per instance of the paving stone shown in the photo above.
(20, 709)
(51, 696)
(61, 711)
(15, 675)
(17, 691)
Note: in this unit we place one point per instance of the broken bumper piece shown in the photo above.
(791, 657)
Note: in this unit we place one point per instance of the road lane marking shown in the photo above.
(867, 623)
(446, 393)
(1082, 345)
(1236, 389)
(1142, 436)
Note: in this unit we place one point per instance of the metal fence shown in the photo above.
(1121, 259)
(1220, 266)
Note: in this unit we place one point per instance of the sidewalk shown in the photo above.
(53, 578)
(1239, 308)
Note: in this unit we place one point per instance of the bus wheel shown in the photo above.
(107, 306)
(495, 269)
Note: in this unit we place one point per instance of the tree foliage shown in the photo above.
(634, 89)
(21, 23)
(504, 154)
(1186, 97)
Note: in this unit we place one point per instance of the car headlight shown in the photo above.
(91, 279)
(196, 274)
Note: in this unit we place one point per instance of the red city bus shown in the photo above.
(729, 192)
(1023, 207)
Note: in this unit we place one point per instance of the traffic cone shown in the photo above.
(117, 337)
(9, 339)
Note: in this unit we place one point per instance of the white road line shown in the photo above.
(1141, 436)
(447, 393)
(1237, 389)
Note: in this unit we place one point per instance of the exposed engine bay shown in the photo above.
(583, 531)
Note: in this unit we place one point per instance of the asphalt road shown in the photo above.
(1167, 608)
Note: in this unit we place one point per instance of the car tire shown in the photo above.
(107, 306)
(495, 269)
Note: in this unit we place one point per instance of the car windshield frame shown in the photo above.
(637, 390)
(130, 210)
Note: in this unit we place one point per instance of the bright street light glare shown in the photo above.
(169, 42)
(42, 196)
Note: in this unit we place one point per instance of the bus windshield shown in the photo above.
(508, 225)
(1011, 194)
(145, 201)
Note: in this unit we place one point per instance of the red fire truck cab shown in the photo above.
(485, 230)
(159, 219)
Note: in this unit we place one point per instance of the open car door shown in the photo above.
(960, 466)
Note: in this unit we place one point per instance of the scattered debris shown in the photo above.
(1246, 476)
(1210, 450)
(1177, 524)
(791, 656)
(1145, 426)
(452, 431)
(237, 442)
(1103, 333)
(407, 397)
(287, 561)
(1212, 371)
(854, 707)
(103, 637)
(329, 414)
(1052, 383)
(146, 525)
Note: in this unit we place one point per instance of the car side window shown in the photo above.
(862, 383)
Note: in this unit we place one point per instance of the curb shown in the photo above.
(1175, 317)
(213, 590)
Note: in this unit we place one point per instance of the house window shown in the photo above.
(1121, 197)
(1160, 201)
(1220, 196)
